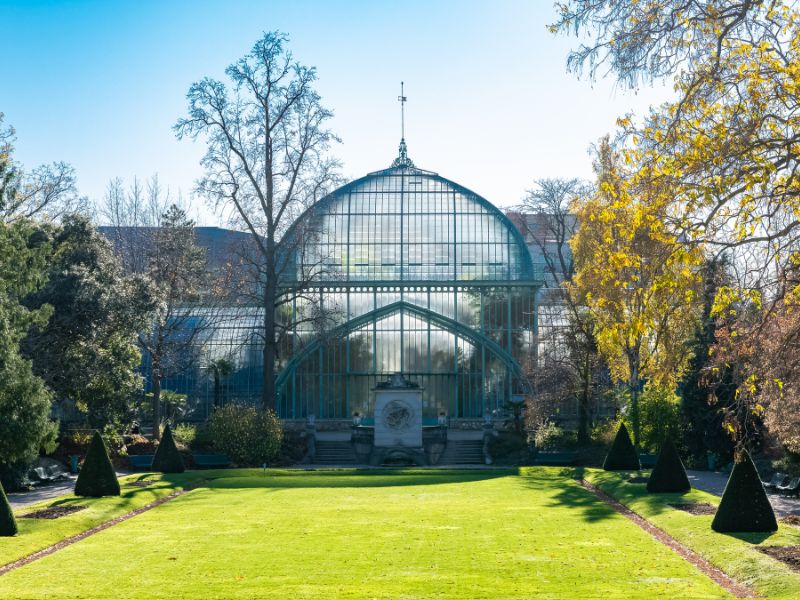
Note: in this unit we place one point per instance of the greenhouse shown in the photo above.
(405, 272)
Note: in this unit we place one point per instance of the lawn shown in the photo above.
(368, 534)
(736, 554)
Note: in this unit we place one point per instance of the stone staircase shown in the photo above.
(335, 453)
(463, 452)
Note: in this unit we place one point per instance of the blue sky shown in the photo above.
(490, 104)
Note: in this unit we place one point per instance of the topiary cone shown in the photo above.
(97, 477)
(744, 507)
(668, 475)
(167, 458)
(8, 524)
(622, 456)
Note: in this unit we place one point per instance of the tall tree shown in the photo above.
(155, 239)
(726, 147)
(572, 363)
(25, 424)
(178, 276)
(638, 280)
(86, 352)
(266, 161)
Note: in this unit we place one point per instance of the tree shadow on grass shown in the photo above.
(350, 478)
(751, 537)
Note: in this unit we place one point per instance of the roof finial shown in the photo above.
(402, 98)
(402, 161)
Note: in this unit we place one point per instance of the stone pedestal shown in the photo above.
(398, 422)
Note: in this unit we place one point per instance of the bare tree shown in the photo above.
(569, 363)
(47, 191)
(155, 239)
(267, 160)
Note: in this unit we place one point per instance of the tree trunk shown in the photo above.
(156, 401)
(217, 390)
(268, 393)
(634, 387)
(583, 404)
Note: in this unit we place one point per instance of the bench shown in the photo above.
(648, 461)
(559, 459)
(211, 460)
(140, 461)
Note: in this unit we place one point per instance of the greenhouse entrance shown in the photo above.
(416, 275)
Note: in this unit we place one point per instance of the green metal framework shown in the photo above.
(416, 274)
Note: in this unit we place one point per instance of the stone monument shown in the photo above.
(398, 422)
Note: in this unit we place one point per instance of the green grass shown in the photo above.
(35, 534)
(369, 534)
(735, 554)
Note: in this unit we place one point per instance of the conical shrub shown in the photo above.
(744, 506)
(97, 477)
(622, 456)
(167, 458)
(668, 475)
(8, 524)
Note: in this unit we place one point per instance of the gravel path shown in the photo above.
(714, 483)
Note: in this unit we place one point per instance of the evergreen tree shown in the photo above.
(744, 506)
(8, 525)
(167, 458)
(622, 456)
(25, 424)
(706, 432)
(668, 475)
(86, 352)
(97, 477)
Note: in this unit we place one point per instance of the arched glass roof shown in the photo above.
(406, 224)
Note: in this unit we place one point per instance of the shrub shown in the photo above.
(249, 436)
(167, 458)
(744, 506)
(668, 475)
(604, 432)
(8, 525)
(185, 433)
(552, 437)
(509, 448)
(622, 456)
(661, 418)
(97, 477)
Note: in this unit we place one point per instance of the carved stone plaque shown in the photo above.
(398, 418)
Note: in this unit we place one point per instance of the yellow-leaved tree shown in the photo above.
(639, 281)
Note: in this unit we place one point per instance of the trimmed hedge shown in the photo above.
(8, 524)
(97, 477)
(744, 507)
(668, 475)
(167, 458)
(622, 456)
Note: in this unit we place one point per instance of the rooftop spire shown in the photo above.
(402, 161)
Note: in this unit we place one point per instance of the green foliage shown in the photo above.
(661, 417)
(552, 437)
(249, 436)
(668, 475)
(603, 432)
(509, 448)
(86, 352)
(744, 506)
(8, 524)
(622, 456)
(25, 424)
(185, 433)
(167, 458)
(97, 477)
(704, 420)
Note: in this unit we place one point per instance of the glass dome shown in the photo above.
(406, 224)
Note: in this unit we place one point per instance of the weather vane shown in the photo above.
(402, 99)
